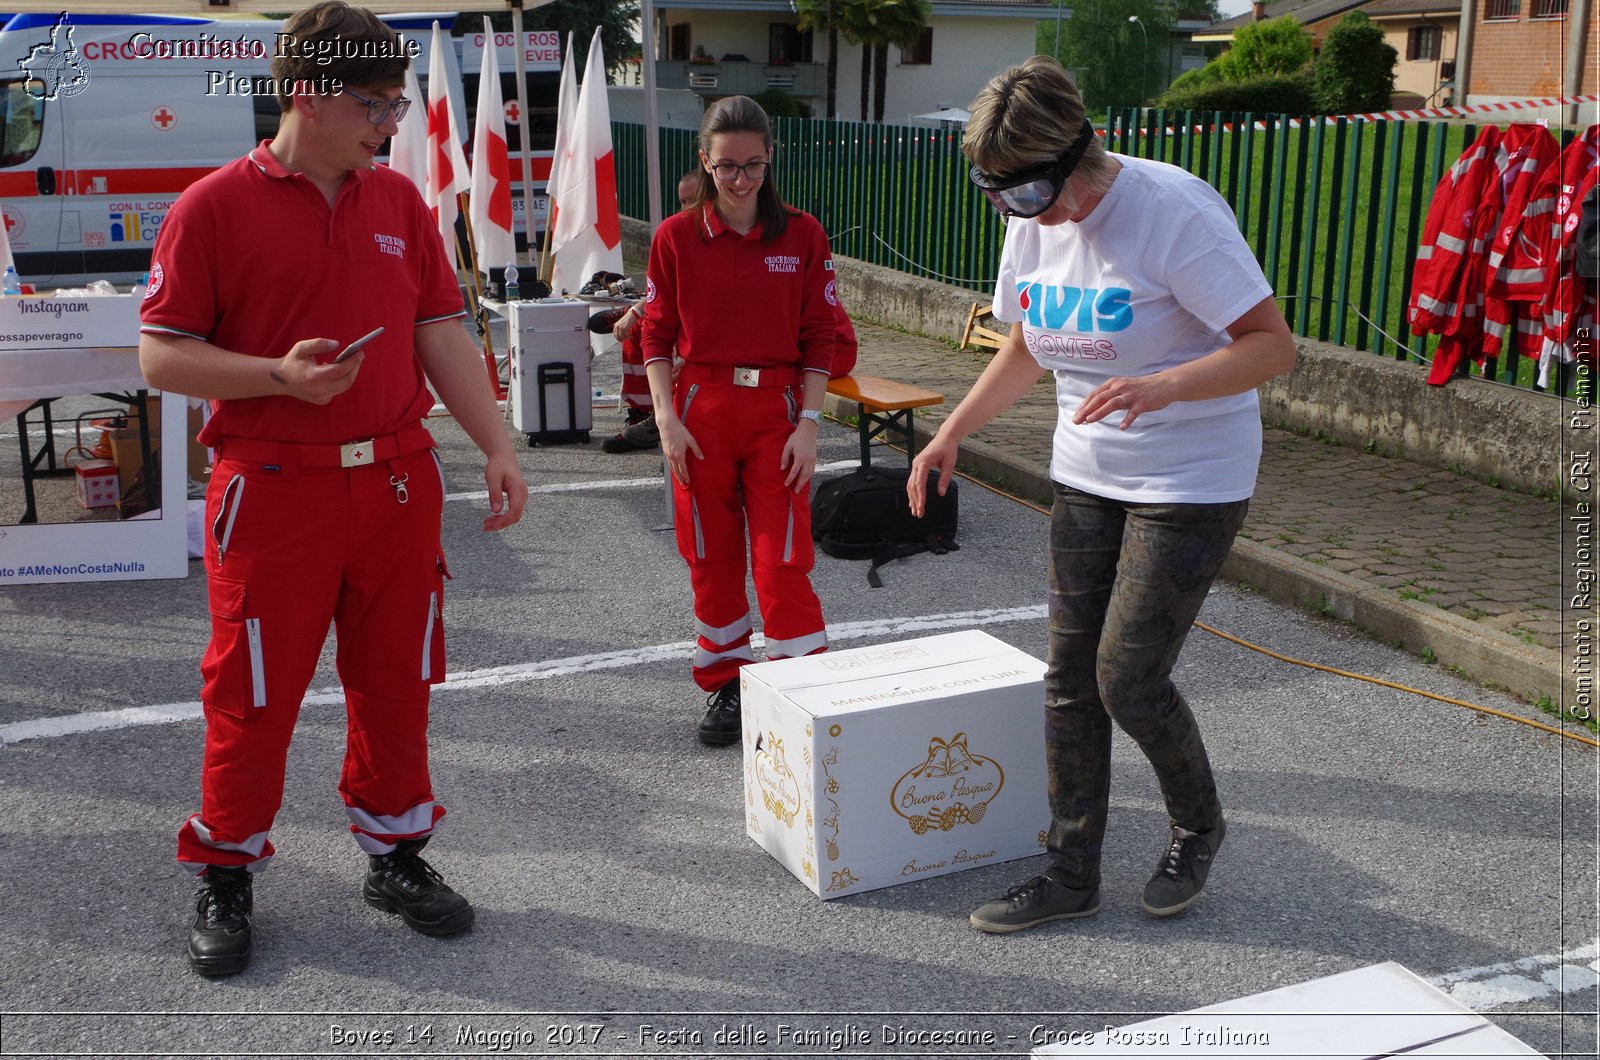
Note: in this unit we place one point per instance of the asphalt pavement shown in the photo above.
(623, 910)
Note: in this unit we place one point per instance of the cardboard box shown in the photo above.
(46, 322)
(874, 766)
(130, 458)
(1381, 1010)
(97, 483)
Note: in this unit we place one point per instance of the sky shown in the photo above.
(1229, 8)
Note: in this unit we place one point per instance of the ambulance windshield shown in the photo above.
(20, 122)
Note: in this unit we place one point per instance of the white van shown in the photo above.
(105, 119)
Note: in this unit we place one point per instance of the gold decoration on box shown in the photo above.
(1044, 837)
(808, 869)
(780, 791)
(835, 729)
(843, 879)
(952, 787)
(832, 820)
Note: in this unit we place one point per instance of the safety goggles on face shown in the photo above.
(1036, 189)
(379, 110)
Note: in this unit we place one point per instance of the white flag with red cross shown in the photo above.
(408, 147)
(588, 233)
(489, 208)
(447, 165)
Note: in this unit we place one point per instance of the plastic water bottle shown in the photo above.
(513, 292)
(11, 285)
(140, 286)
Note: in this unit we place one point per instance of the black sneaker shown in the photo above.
(637, 436)
(720, 726)
(1182, 872)
(403, 883)
(219, 941)
(1038, 901)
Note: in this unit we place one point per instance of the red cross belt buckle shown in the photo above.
(354, 454)
(747, 377)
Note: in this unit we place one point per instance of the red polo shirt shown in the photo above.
(730, 299)
(253, 259)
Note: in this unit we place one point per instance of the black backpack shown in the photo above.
(866, 515)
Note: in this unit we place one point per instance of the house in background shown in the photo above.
(1423, 32)
(718, 48)
(1517, 49)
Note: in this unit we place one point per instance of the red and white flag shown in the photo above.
(588, 234)
(408, 148)
(447, 165)
(566, 111)
(489, 208)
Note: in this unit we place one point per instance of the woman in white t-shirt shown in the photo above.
(1129, 281)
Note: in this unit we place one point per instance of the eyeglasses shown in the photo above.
(379, 110)
(1036, 189)
(728, 172)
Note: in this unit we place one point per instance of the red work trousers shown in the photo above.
(288, 551)
(738, 483)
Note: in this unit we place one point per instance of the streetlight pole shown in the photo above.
(1144, 46)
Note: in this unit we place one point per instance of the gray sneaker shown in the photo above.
(639, 435)
(1038, 901)
(1183, 870)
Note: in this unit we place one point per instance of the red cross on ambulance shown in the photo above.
(163, 118)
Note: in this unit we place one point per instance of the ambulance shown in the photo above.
(105, 119)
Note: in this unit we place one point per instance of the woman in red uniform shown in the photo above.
(743, 287)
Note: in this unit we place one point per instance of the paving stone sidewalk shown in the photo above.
(1431, 541)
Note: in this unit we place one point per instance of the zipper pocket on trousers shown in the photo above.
(258, 672)
(227, 513)
(427, 637)
(683, 413)
(699, 532)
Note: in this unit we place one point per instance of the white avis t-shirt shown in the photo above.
(1150, 279)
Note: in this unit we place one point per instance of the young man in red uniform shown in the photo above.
(325, 499)
(742, 287)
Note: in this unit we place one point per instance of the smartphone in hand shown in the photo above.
(345, 353)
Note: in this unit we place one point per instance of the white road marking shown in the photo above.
(131, 717)
(616, 483)
(1529, 979)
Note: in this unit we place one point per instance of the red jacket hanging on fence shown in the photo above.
(1569, 299)
(1446, 289)
(1527, 160)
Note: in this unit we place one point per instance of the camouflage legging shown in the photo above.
(1126, 582)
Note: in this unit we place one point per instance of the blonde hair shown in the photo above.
(1028, 115)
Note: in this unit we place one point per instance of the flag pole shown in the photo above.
(522, 128)
(477, 294)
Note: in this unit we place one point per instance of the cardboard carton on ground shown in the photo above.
(868, 767)
(97, 483)
(46, 322)
(1381, 1010)
(130, 458)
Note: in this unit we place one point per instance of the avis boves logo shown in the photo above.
(55, 68)
(1080, 308)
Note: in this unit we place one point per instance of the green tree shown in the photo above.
(1355, 72)
(616, 19)
(1113, 62)
(825, 15)
(1273, 46)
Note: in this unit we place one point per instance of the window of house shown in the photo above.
(1422, 44)
(1548, 9)
(783, 43)
(920, 53)
(1502, 9)
(678, 42)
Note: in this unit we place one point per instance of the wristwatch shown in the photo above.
(814, 415)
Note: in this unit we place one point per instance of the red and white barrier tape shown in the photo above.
(1388, 115)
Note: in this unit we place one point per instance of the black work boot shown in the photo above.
(720, 726)
(219, 941)
(403, 883)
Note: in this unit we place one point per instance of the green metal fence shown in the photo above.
(1332, 209)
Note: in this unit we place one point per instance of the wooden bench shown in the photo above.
(884, 408)
(976, 333)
